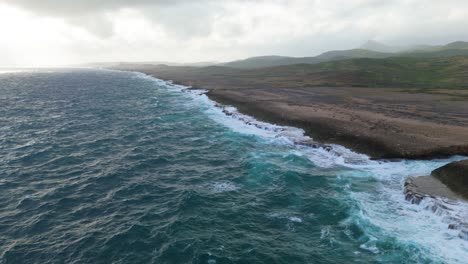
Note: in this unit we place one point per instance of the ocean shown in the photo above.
(100, 166)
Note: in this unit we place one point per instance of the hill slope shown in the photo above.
(369, 50)
(271, 61)
(401, 72)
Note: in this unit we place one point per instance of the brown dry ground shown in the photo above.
(383, 122)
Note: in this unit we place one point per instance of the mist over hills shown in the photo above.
(380, 47)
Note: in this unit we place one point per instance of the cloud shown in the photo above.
(186, 30)
(179, 16)
(73, 8)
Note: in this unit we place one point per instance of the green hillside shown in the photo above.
(259, 62)
(389, 72)
(271, 61)
(400, 72)
(458, 48)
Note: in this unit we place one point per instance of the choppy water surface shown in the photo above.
(116, 167)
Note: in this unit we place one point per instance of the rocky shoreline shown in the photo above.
(383, 123)
(453, 185)
(440, 184)
(374, 134)
(449, 182)
(360, 119)
(301, 142)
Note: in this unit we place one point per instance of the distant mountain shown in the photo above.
(456, 45)
(271, 61)
(371, 50)
(379, 47)
(353, 53)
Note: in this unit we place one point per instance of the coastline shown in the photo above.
(383, 123)
(319, 129)
(331, 124)
(345, 127)
(374, 134)
(323, 131)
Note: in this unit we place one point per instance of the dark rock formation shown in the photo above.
(314, 144)
(455, 176)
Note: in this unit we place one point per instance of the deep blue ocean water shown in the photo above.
(104, 166)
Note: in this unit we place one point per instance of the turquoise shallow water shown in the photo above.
(116, 167)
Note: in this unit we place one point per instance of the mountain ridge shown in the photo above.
(371, 49)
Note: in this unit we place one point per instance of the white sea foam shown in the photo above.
(382, 212)
(221, 187)
(371, 245)
(286, 216)
(330, 156)
(295, 219)
(324, 232)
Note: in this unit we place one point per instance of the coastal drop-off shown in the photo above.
(100, 166)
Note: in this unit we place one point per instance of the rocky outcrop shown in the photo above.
(418, 188)
(313, 144)
(455, 176)
(308, 142)
(441, 200)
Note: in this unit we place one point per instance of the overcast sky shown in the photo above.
(58, 32)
